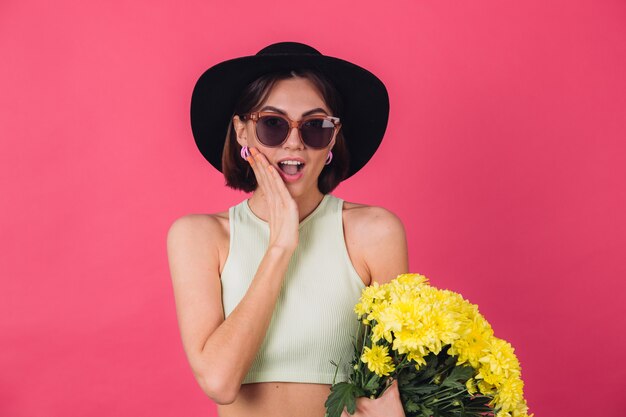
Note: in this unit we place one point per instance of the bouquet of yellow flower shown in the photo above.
(438, 346)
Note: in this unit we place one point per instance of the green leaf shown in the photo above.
(406, 377)
(430, 369)
(411, 406)
(342, 395)
(448, 360)
(420, 389)
(458, 376)
(373, 383)
(478, 403)
(462, 373)
(425, 410)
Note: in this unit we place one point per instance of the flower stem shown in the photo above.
(437, 393)
(451, 396)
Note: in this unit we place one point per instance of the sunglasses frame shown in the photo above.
(255, 116)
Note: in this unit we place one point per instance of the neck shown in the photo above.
(306, 204)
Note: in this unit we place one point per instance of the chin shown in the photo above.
(298, 190)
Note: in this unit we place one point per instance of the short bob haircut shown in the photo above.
(238, 173)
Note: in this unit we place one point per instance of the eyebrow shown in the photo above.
(306, 113)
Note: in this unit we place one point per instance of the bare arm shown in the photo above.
(384, 249)
(379, 239)
(220, 351)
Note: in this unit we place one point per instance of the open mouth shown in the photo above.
(291, 167)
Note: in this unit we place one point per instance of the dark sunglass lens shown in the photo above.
(271, 130)
(317, 133)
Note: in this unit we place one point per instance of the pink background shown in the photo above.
(504, 157)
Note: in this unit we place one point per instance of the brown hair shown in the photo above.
(238, 173)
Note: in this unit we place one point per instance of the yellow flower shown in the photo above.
(378, 360)
(417, 320)
(485, 388)
(499, 364)
(521, 410)
(410, 280)
(476, 335)
(375, 310)
(361, 309)
(509, 394)
(471, 386)
(408, 341)
(393, 317)
(418, 358)
(370, 296)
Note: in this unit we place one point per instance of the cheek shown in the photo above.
(269, 153)
(318, 163)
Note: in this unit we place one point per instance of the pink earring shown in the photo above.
(245, 153)
(329, 158)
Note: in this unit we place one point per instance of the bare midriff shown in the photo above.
(278, 399)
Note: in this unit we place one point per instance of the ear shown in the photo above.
(241, 131)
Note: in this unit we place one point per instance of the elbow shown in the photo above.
(221, 390)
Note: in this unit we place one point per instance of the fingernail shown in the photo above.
(253, 151)
(250, 160)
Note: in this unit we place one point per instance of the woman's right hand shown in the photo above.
(283, 210)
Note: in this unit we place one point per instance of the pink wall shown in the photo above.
(504, 156)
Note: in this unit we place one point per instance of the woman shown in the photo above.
(264, 291)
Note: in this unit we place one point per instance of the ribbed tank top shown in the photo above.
(313, 321)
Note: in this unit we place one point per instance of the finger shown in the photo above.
(393, 389)
(271, 182)
(273, 177)
(281, 189)
(260, 163)
(275, 182)
(278, 197)
(257, 174)
(363, 403)
(284, 200)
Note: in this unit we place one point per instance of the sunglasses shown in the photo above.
(272, 129)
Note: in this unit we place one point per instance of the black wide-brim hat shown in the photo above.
(364, 96)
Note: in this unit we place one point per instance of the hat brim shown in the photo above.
(365, 99)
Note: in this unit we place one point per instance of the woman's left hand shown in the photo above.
(388, 405)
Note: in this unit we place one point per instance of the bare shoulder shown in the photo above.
(199, 224)
(196, 247)
(376, 241)
(195, 233)
(371, 219)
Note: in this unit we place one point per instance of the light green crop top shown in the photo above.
(313, 321)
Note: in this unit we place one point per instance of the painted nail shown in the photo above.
(253, 151)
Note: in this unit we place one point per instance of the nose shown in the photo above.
(293, 139)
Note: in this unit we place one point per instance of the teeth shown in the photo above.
(291, 162)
